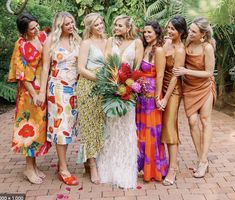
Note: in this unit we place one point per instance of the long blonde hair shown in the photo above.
(57, 31)
(132, 34)
(205, 27)
(89, 21)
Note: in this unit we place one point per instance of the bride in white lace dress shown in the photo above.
(117, 162)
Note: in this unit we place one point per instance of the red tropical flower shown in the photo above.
(124, 73)
(125, 97)
(136, 75)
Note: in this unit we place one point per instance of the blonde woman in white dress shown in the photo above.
(117, 162)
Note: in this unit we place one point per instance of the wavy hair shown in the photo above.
(132, 34)
(57, 31)
(205, 27)
(89, 21)
(159, 43)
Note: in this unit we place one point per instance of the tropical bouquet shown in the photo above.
(117, 84)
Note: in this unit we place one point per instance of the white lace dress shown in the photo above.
(117, 161)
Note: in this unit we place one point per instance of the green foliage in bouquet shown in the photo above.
(108, 87)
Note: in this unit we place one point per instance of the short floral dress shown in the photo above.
(29, 136)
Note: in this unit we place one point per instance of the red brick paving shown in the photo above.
(218, 184)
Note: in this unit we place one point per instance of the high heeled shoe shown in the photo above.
(169, 182)
(71, 180)
(202, 169)
(94, 180)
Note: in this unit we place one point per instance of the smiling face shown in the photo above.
(120, 28)
(98, 27)
(33, 29)
(68, 25)
(194, 33)
(172, 32)
(149, 34)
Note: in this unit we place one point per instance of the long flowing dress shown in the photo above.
(29, 138)
(117, 162)
(62, 97)
(170, 131)
(91, 118)
(196, 90)
(152, 157)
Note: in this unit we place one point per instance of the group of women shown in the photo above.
(56, 74)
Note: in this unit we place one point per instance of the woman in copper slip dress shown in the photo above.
(199, 88)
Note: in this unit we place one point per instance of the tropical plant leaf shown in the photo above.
(8, 91)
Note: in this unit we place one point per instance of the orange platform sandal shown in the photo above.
(71, 180)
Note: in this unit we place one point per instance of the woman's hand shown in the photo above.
(163, 103)
(158, 104)
(35, 99)
(179, 71)
(40, 99)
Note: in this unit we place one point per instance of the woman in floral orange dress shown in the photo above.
(29, 137)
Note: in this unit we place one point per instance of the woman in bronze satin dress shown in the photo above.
(172, 92)
(199, 88)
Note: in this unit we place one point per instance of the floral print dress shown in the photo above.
(29, 136)
(62, 97)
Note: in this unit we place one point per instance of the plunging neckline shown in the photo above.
(121, 54)
(98, 49)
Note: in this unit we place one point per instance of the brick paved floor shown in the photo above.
(218, 184)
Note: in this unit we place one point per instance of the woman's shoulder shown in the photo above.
(208, 46)
(180, 48)
(138, 41)
(86, 42)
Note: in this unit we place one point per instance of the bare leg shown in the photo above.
(61, 152)
(195, 133)
(30, 172)
(173, 153)
(93, 171)
(205, 116)
(173, 167)
(38, 172)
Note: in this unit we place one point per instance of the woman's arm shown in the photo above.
(139, 50)
(46, 62)
(179, 60)
(209, 65)
(31, 91)
(108, 48)
(82, 61)
(160, 63)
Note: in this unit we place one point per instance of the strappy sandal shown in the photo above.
(169, 182)
(202, 169)
(94, 180)
(32, 178)
(40, 173)
(71, 180)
